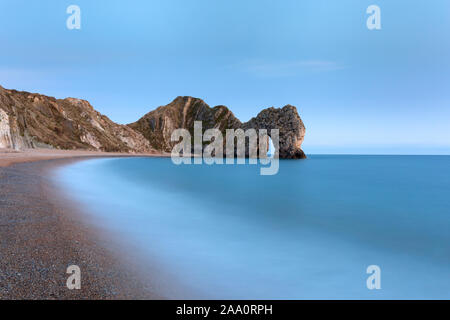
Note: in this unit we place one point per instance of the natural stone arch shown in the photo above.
(290, 126)
(183, 111)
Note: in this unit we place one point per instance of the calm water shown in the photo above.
(308, 232)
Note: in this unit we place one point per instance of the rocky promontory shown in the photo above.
(31, 120)
(158, 125)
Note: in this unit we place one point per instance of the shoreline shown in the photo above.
(43, 232)
(9, 156)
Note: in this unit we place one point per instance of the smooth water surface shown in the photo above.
(311, 231)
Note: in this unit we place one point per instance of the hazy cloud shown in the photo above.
(288, 68)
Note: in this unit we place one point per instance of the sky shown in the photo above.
(357, 90)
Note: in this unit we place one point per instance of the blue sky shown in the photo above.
(358, 91)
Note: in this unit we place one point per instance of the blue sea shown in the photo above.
(308, 232)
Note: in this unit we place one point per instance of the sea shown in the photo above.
(327, 227)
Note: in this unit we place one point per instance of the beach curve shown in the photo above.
(42, 234)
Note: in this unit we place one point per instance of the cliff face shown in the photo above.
(30, 120)
(158, 125)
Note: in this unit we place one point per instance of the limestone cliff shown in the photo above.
(31, 120)
(158, 125)
(290, 126)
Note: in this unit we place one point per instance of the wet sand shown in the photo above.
(41, 234)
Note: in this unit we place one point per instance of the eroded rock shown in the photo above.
(158, 125)
(31, 120)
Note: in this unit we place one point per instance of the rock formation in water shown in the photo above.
(31, 120)
(291, 129)
(158, 125)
